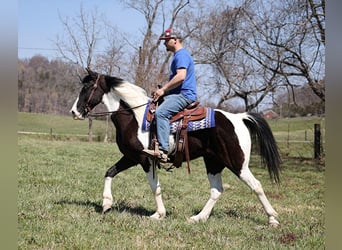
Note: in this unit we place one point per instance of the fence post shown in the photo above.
(317, 141)
(90, 131)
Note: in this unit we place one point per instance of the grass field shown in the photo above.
(61, 127)
(60, 190)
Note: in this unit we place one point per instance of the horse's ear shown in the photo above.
(91, 73)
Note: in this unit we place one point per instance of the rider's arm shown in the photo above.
(173, 83)
(176, 80)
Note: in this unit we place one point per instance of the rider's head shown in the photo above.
(172, 38)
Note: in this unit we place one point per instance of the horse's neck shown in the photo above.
(135, 97)
(135, 101)
(111, 102)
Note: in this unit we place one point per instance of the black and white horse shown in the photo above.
(227, 145)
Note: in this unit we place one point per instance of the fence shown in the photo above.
(56, 136)
(303, 141)
(305, 144)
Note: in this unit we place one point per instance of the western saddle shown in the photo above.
(193, 112)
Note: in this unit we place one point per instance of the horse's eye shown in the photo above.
(88, 85)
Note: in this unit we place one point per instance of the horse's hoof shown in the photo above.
(106, 209)
(273, 222)
(191, 220)
(197, 218)
(157, 216)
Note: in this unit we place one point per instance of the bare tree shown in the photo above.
(82, 35)
(81, 45)
(44, 86)
(90, 41)
(259, 46)
(111, 58)
(288, 38)
(148, 61)
(236, 77)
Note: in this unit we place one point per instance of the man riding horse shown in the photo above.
(178, 92)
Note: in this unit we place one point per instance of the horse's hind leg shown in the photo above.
(216, 190)
(247, 177)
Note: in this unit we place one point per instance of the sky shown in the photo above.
(39, 22)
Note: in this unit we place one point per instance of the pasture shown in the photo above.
(60, 182)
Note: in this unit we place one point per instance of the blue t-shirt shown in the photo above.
(182, 59)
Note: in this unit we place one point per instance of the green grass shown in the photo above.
(61, 182)
(295, 136)
(62, 127)
(60, 192)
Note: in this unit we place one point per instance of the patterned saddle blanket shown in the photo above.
(207, 122)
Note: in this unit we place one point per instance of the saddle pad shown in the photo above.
(207, 122)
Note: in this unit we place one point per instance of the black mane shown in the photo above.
(113, 81)
(108, 83)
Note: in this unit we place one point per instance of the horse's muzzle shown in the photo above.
(77, 116)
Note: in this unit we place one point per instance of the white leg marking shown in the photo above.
(156, 189)
(107, 201)
(216, 190)
(247, 177)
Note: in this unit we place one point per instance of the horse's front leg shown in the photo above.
(156, 189)
(216, 190)
(107, 197)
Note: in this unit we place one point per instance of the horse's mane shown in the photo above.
(131, 94)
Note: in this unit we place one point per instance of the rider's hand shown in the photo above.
(158, 93)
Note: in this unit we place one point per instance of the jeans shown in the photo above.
(171, 105)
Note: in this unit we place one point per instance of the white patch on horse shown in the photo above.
(153, 180)
(77, 115)
(111, 101)
(107, 194)
(216, 190)
(135, 96)
(240, 129)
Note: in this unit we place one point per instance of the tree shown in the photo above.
(46, 86)
(236, 77)
(84, 36)
(148, 63)
(258, 47)
(287, 38)
(303, 101)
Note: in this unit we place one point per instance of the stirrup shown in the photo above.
(156, 154)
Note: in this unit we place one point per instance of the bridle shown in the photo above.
(108, 112)
(92, 93)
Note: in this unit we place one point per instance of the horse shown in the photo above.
(226, 145)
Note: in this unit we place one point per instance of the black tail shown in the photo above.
(261, 131)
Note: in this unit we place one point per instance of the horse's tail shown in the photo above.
(261, 131)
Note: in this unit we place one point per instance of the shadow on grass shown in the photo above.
(120, 206)
(97, 207)
(123, 206)
(232, 213)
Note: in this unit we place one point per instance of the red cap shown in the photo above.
(170, 33)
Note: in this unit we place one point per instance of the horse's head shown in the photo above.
(94, 87)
